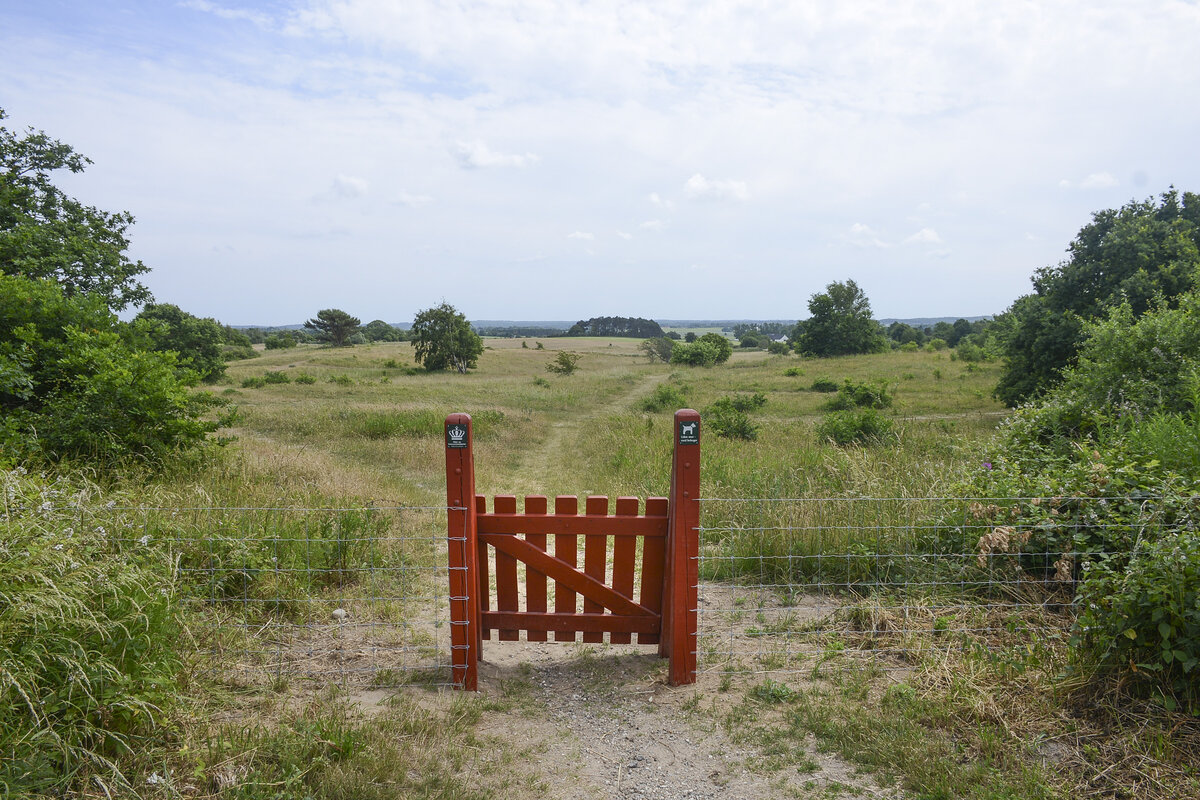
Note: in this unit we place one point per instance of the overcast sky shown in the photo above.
(562, 160)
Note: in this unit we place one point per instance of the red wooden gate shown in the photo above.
(664, 609)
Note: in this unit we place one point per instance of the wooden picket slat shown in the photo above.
(624, 550)
(535, 581)
(485, 589)
(654, 557)
(565, 550)
(649, 525)
(506, 571)
(595, 558)
(614, 624)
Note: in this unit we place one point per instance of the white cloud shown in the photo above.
(701, 188)
(261, 20)
(345, 187)
(1099, 180)
(477, 155)
(652, 225)
(412, 200)
(656, 200)
(924, 236)
(624, 235)
(581, 235)
(862, 235)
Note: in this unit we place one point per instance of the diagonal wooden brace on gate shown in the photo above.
(646, 586)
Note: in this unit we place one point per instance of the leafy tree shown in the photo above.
(334, 326)
(840, 324)
(198, 342)
(283, 340)
(44, 233)
(442, 338)
(379, 331)
(71, 385)
(903, 333)
(690, 337)
(565, 363)
(723, 346)
(75, 382)
(659, 348)
(697, 354)
(1132, 254)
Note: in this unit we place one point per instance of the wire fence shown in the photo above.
(361, 595)
(353, 595)
(786, 584)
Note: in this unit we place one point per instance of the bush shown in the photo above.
(305, 378)
(565, 363)
(697, 354)
(253, 382)
(665, 397)
(729, 417)
(276, 376)
(1146, 613)
(793, 372)
(860, 395)
(341, 380)
(778, 348)
(824, 385)
(232, 352)
(279, 341)
(858, 426)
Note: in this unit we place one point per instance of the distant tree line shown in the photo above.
(631, 327)
(521, 332)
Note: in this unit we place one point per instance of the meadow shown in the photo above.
(968, 695)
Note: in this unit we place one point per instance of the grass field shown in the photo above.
(344, 428)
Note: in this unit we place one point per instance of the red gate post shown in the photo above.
(680, 588)
(462, 545)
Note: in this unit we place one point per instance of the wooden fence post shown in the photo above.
(462, 545)
(680, 590)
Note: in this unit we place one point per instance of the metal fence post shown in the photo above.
(680, 591)
(462, 539)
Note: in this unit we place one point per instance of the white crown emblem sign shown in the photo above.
(456, 436)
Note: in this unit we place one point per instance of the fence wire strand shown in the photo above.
(353, 595)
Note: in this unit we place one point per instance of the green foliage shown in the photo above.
(88, 627)
(254, 382)
(632, 327)
(379, 331)
(45, 234)
(280, 341)
(1145, 612)
(857, 426)
(778, 348)
(237, 353)
(825, 385)
(729, 416)
(840, 324)
(665, 397)
(198, 342)
(659, 349)
(443, 339)
(334, 326)
(276, 376)
(565, 363)
(72, 387)
(706, 351)
(860, 395)
(1135, 254)
(305, 378)
(793, 372)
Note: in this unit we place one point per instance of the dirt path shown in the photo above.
(541, 466)
(599, 722)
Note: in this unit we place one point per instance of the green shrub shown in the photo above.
(1146, 612)
(305, 378)
(238, 352)
(279, 341)
(665, 397)
(253, 382)
(729, 416)
(697, 354)
(856, 426)
(341, 380)
(824, 385)
(793, 372)
(276, 376)
(860, 395)
(542, 382)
